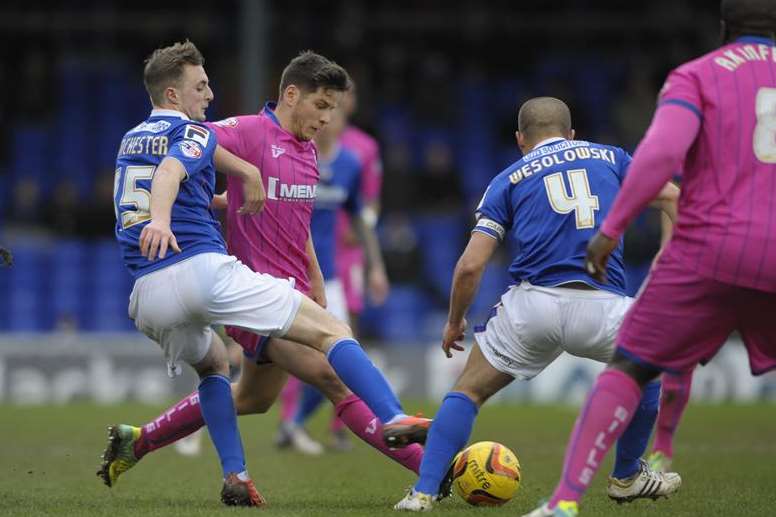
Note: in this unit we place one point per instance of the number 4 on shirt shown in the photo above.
(581, 201)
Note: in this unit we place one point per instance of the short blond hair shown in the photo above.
(164, 67)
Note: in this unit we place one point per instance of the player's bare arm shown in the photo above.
(466, 281)
(253, 188)
(220, 201)
(377, 279)
(601, 246)
(660, 154)
(317, 290)
(667, 200)
(157, 235)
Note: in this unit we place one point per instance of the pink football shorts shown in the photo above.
(681, 319)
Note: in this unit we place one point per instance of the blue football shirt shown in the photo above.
(166, 133)
(338, 187)
(551, 202)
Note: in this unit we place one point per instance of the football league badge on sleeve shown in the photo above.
(191, 149)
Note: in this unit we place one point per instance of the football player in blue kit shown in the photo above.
(550, 202)
(166, 230)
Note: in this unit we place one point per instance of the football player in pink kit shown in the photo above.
(277, 242)
(349, 262)
(716, 120)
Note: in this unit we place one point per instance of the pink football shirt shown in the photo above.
(272, 241)
(727, 210)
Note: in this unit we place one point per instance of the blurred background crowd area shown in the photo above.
(439, 84)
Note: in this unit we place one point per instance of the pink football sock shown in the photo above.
(177, 422)
(336, 423)
(673, 400)
(289, 399)
(606, 414)
(360, 419)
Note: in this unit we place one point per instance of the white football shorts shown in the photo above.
(176, 306)
(533, 325)
(335, 299)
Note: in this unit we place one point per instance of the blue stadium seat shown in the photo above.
(108, 285)
(27, 160)
(476, 130)
(400, 320)
(25, 289)
(442, 240)
(66, 280)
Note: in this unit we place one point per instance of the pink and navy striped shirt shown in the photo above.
(723, 105)
(274, 240)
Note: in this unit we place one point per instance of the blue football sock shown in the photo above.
(217, 406)
(633, 442)
(448, 434)
(359, 374)
(310, 400)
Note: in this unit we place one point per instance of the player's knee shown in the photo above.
(641, 373)
(476, 392)
(334, 331)
(249, 404)
(212, 365)
(216, 360)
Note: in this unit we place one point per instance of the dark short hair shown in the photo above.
(310, 71)
(164, 67)
(749, 16)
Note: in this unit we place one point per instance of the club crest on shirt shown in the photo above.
(191, 149)
(277, 151)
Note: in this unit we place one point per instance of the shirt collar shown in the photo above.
(158, 112)
(269, 110)
(755, 39)
(548, 141)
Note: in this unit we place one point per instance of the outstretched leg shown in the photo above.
(452, 427)
(311, 367)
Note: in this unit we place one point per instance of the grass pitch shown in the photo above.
(48, 457)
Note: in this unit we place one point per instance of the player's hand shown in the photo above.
(378, 285)
(598, 250)
(253, 194)
(453, 333)
(220, 201)
(155, 238)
